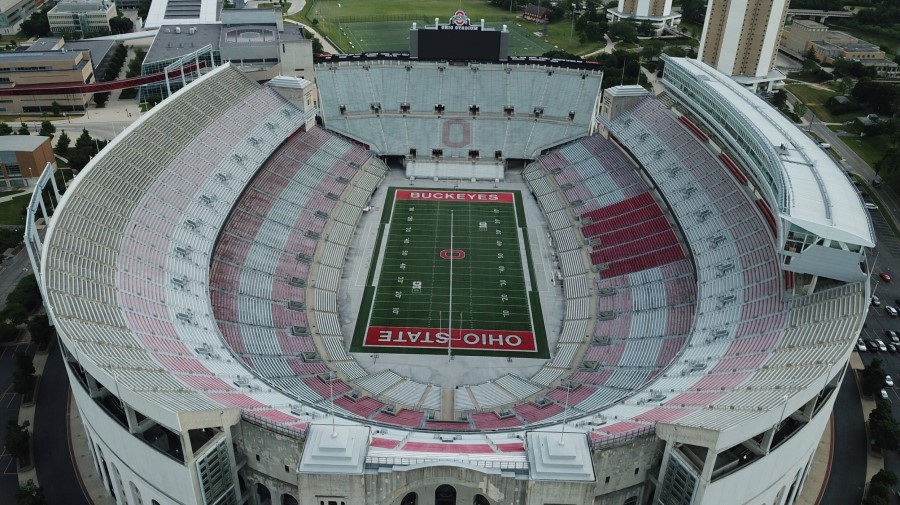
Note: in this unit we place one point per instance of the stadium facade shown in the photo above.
(705, 260)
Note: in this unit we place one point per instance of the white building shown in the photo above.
(13, 12)
(83, 16)
(659, 12)
(741, 38)
(175, 265)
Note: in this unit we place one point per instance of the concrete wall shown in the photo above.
(622, 471)
(272, 459)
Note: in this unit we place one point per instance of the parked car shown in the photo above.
(885, 276)
(876, 302)
(884, 395)
(872, 345)
(871, 206)
(890, 310)
(892, 348)
(880, 344)
(888, 381)
(892, 336)
(860, 345)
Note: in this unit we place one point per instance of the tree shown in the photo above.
(23, 374)
(872, 377)
(55, 108)
(62, 144)
(880, 488)
(18, 440)
(47, 129)
(37, 25)
(40, 330)
(561, 55)
(799, 109)
(317, 47)
(23, 130)
(144, 9)
(646, 28)
(693, 10)
(5, 129)
(623, 31)
(101, 98)
(8, 332)
(121, 24)
(883, 428)
(881, 96)
(30, 494)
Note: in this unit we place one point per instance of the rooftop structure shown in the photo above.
(806, 189)
(13, 12)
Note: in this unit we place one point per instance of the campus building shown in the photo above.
(829, 45)
(13, 12)
(84, 16)
(740, 39)
(23, 159)
(19, 70)
(658, 12)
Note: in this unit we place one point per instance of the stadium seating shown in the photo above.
(363, 101)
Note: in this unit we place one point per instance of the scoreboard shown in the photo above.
(458, 40)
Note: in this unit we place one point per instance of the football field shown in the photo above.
(451, 274)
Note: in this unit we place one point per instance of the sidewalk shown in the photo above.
(326, 45)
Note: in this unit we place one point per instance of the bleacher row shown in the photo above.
(421, 85)
(644, 307)
(142, 220)
(363, 101)
(269, 249)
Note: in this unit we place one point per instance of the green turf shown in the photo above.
(390, 36)
(384, 25)
(489, 288)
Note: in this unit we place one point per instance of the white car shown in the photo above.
(876, 302)
(871, 206)
(861, 346)
(888, 381)
(884, 395)
(890, 310)
(880, 344)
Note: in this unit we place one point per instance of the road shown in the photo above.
(52, 454)
(13, 270)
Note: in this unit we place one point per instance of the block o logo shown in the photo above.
(453, 254)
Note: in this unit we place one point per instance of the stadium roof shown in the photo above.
(819, 196)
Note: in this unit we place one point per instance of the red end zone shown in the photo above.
(433, 338)
(454, 196)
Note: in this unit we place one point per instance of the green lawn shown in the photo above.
(816, 98)
(371, 36)
(332, 15)
(11, 211)
(870, 149)
(421, 287)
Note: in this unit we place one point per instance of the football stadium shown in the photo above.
(436, 281)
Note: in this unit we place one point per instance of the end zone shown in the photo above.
(431, 338)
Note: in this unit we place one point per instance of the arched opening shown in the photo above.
(263, 496)
(242, 484)
(632, 500)
(480, 500)
(287, 499)
(445, 494)
(410, 499)
(136, 494)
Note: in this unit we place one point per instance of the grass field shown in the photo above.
(389, 36)
(384, 25)
(460, 264)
